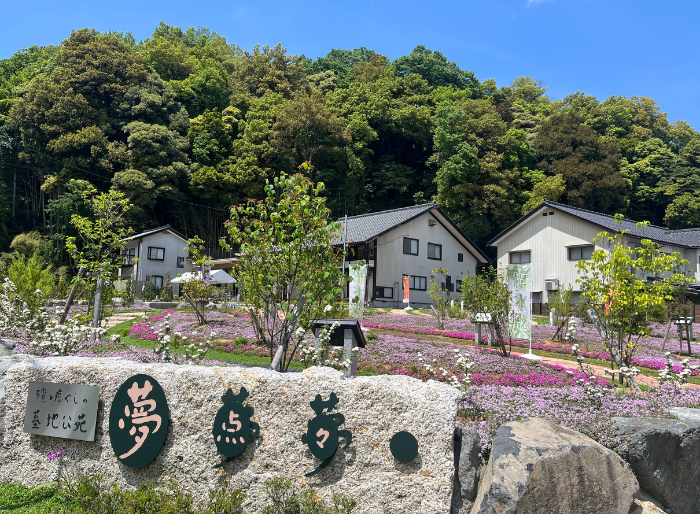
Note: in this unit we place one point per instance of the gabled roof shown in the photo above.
(165, 228)
(367, 227)
(662, 235)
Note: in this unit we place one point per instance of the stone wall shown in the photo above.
(375, 408)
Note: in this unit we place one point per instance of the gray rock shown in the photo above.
(469, 463)
(537, 467)
(685, 413)
(665, 456)
(375, 408)
(645, 504)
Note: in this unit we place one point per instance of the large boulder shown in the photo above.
(665, 456)
(374, 408)
(537, 466)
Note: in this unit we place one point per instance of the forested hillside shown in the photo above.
(187, 124)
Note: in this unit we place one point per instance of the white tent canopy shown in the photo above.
(218, 276)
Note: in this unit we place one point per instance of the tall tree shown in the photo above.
(589, 164)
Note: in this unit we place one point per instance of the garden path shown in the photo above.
(120, 317)
(600, 370)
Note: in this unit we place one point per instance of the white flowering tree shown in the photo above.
(289, 270)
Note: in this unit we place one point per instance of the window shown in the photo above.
(410, 246)
(434, 251)
(459, 286)
(581, 253)
(520, 257)
(449, 284)
(180, 262)
(128, 256)
(416, 283)
(157, 281)
(460, 257)
(384, 292)
(156, 254)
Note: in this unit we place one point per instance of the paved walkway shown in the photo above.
(120, 317)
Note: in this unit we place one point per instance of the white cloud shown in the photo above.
(537, 2)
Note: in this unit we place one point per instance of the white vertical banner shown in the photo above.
(520, 286)
(358, 278)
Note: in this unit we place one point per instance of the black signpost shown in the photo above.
(138, 421)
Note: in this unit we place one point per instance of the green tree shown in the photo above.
(439, 296)
(101, 239)
(589, 165)
(289, 271)
(623, 287)
(489, 293)
(549, 188)
(34, 280)
(683, 212)
(436, 70)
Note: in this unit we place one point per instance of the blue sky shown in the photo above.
(601, 47)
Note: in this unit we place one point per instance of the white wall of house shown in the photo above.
(392, 264)
(172, 246)
(549, 237)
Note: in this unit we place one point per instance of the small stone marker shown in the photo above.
(62, 410)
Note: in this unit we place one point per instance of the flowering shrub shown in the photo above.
(324, 354)
(168, 344)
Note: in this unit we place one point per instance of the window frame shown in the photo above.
(180, 263)
(411, 282)
(155, 283)
(409, 246)
(460, 257)
(580, 248)
(383, 290)
(434, 245)
(150, 258)
(520, 252)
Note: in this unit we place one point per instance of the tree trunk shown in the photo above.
(71, 297)
(202, 321)
(668, 330)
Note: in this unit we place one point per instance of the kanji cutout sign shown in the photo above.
(323, 436)
(138, 421)
(233, 428)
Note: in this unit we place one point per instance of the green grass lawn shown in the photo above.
(236, 356)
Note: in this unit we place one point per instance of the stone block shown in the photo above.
(375, 408)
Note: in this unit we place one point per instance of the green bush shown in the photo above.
(287, 500)
(88, 496)
(29, 276)
(371, 336)
(240, 341)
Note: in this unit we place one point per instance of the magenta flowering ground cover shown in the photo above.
(489, 406)
(502, 389)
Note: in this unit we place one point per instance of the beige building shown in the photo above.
(554, 237)
(411, 241)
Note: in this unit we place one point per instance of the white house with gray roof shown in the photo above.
(553, 237)
(411, 241)
(151, 255)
